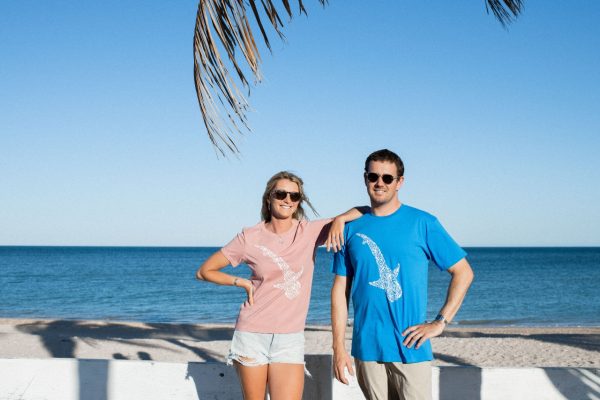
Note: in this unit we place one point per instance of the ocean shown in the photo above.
(513, 286)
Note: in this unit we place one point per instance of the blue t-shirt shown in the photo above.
(387, 258)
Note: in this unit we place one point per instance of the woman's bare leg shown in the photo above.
(286, 381)
(253, 380)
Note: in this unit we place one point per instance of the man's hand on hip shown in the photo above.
(416, 335)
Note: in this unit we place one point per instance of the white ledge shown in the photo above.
(78, 379)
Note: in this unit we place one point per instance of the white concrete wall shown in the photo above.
(72, 379)
(471, 383)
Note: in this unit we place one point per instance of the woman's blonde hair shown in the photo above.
(265, 212)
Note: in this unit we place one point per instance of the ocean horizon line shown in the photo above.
(219, 246)
(309, 324)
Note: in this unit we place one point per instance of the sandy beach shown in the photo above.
(473, 346)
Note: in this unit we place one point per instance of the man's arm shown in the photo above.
(340, 296)
(462, 276)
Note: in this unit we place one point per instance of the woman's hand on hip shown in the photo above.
(249, 287)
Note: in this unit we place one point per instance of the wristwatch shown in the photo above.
(440, 317)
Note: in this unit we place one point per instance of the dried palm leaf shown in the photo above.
(224, 24)
(505, 10)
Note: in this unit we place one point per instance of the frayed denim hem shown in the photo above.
(307, 372)
(244, 360)
(250, 362)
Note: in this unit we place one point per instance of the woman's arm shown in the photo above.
(210, 271)
(335, 238)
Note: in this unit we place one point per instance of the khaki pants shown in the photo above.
(394, 380)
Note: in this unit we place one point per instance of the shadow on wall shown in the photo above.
(460, 383)
(58, 338)
(575, 383)
(570, 382)
(467, 382)
(93, 379)
(210, 379)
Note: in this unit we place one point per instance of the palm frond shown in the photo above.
(224, 24)
(505, 10)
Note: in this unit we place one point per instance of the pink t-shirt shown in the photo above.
(282, 270)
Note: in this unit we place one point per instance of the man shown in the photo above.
(383, 265)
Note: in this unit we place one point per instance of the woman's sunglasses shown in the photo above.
(282, 194)
(386, 178)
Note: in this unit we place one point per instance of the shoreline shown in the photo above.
(482, 346)
(452, 326)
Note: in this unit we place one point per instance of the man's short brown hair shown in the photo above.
(386, 155)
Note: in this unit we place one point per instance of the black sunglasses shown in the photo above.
(386, 178)
(282, 194)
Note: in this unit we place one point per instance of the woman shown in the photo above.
(268, 342)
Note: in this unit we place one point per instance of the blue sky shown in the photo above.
(102, 142)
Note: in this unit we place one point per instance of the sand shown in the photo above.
(473, 346)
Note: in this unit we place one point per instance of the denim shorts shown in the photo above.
(252, 349)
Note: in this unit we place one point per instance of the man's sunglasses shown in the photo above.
(282, 194)
(386, 178)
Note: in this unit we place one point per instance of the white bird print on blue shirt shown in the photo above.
(289, 285)
(388, 279)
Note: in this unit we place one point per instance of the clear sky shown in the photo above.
(102, 141)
